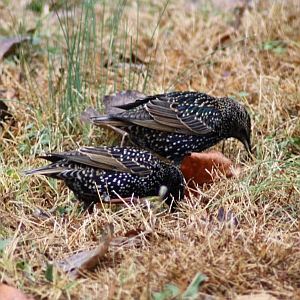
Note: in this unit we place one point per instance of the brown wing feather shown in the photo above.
(102, 157)
(98, 157)
(188, 115)
(162, 113)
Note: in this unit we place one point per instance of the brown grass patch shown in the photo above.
(43, 221)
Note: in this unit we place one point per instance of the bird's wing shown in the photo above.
(119, 159)
(153, 112)
(187, 113)
(49, 170)
(59, 164)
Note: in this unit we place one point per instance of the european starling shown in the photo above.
(110, 172)
(178, 123)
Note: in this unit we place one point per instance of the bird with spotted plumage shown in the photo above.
(178, 123)
(111, 172)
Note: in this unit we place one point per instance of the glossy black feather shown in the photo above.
(111, 172)
(177, 123)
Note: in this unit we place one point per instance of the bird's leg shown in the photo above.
(223, 146)
(122, 132)
(88, 206)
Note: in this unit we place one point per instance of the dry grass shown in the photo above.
(261, 254)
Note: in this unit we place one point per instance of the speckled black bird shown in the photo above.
(177, 123)
(111, 172)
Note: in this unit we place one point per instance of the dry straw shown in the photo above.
(40, 220)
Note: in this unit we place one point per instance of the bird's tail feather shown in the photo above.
(50, 171)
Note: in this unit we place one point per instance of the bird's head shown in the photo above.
(174, 188)
(244, 131)
(240, 124)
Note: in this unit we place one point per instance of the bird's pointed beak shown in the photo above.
(247, 146)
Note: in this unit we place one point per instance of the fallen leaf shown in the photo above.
(10, 293)
(200, 168)
(133, 232)
(88, 115)
(120, 98)
(111, 102)
(88, 260)
(8, 46)
(228, 218)
(292, 17)
(223, 40)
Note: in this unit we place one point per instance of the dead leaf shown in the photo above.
(88, 115)
(223, 40)
(200, 168)
(120, 98)
(228, 218)
(293, 16)
(111, 103)
(10, 293)
(133, 232)
(8, 46)
(88, 260)
(260, 296)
